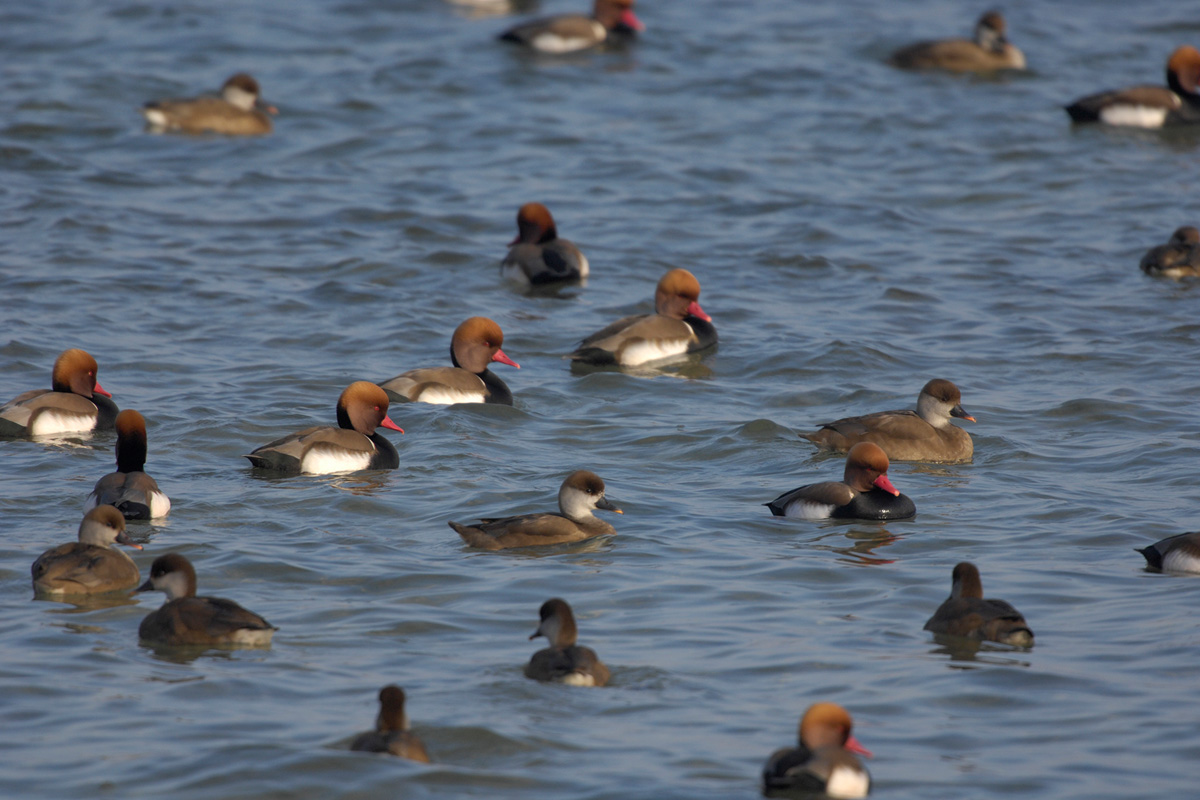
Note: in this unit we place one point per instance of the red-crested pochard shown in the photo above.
(1149, 106)
(236, 112)
(351, 446)
(90, 565)
(186, 619)
(475, 344)
(922, 435)
(990, 50)
(1179, 553)
(134, 493)
(567, 33)
(824, 762)
(580, 494)
(967, 614)
(863, 493)
(563, 661)
(1178, 258)
(678, 326)
(75, 403)
(391, 734)
(537, 255)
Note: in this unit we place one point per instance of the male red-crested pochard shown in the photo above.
(134, 493)
(75, 403)
(475, 344)
(537, 256)
(1149, 106)
(922, 435)
(1178, 258)
(237, 112)
(563, 661)
(863, 493)
(1179, 553)
(391, 734)
(824, 762)
(90, 565)
(567, 33)
(351, 446)
(581, 493)
(678, 326)
(968, 614)
(989, 51)
(186, 619)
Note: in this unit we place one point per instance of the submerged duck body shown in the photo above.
(89, 565)
(186, 619)
(1149, 106)
(824, 762)
(537, 256)
(922, 435)
(968, 614)
(75, 403)
(580, 494)
(563, 661)
(679, 326)
(1178, 258)
(391, 734)
(569, 33)
(475, 344)
(134, 493)
(353, 445)
(235, 113)
(863, 493)
(1180, 553)
(990, 50)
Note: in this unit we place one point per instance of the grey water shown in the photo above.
(857, 230)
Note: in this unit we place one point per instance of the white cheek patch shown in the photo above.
(1180, 561)
(444, 396)
(847, 783)
(807, 509)
(325, 460)
(645, 351)
(1134, 116)
(49, 423)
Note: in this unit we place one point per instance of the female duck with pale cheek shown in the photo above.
(537, 256)
(186, 619)
(90, 565)
(391, 734)
(863, 493)
(1149, 106)
(134, 493)
(74, 403)
(677, 327)
(351, 446)
(563, 661)
(237, 112)
(824, 763)
(568, 33)
(967, 613)
(474, 346)
(989, 51)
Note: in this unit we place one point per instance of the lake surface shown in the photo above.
(857, 231)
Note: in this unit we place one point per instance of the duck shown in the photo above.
(391, 734)
(74, 403)
(863, 493)
(475, 344)
(563, 661)
(237, 112)
(678, 326)
(581, 492)
(989, 51)
(922, 435)
(353, 445)
(537, 256)
(824, 762)
(89, 565)
(1178, 258)
(1179, 553)
(568, 33)
(967, 614)
(134, 493)
(1149, 106)
(186, 619)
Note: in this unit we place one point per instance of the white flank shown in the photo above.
(324, 460)
(553, 43)
(1134, 116)
(511, 271)
(155, 117)
(50, 423)
(253, 637)
(807, 509)
(578, 679)
(442, 396)
(584, 267)
(645, 351)
(847, 783)
(160, 505)
(1179, 561)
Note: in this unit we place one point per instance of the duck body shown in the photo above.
(1178, 258)
(186, 619)
(134, 493)
(353, 445)
(966, 613)
(564, 661)
(1149, 106)
(391, 734)
(864, 492)
(1180, 553)
(989, 51)
(581, 492)
(824, 762)
(569, 33)
(922, 435)
(75, 403)
(475, 344)
(90, 565)
(234, 113)
(537, 256)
